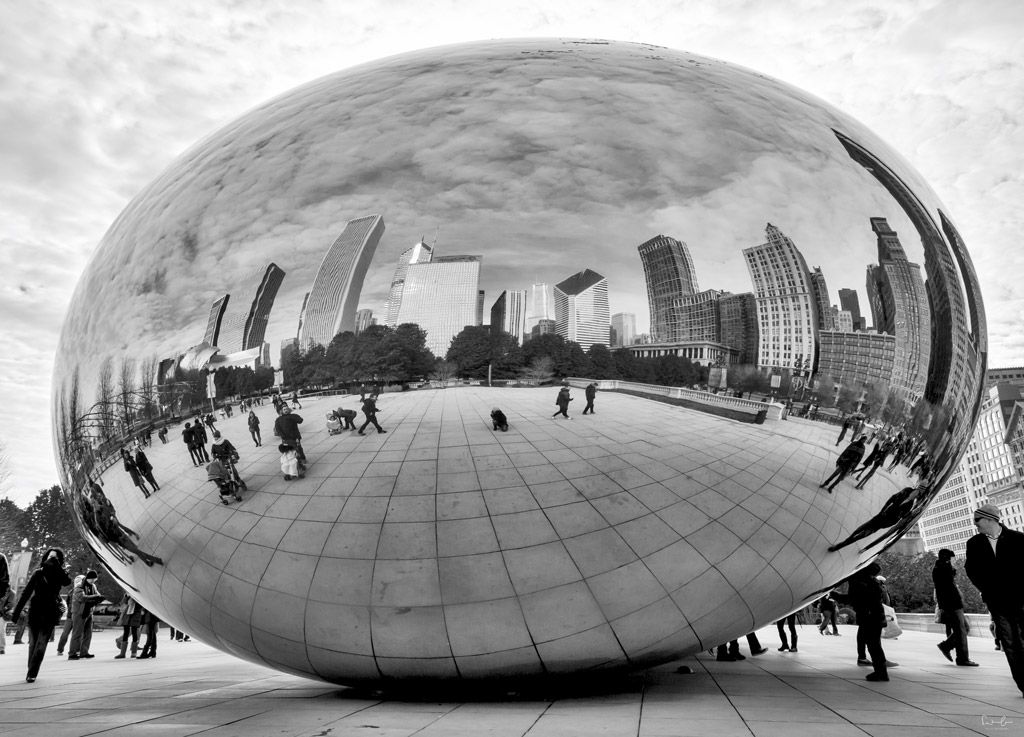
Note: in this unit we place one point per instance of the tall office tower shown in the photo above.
(331, 307)
(479, 307)
(737, 318)
(697, 317)
(248, 311)
(302, 316)
(840, 320)
(822, 304)
(669, 273)
(786, 317)
(541, 306)
(259, 310)
(623, 329)
(421, 253)
(212, 334)
(581, 309)
(848, 300)
(441, 296)
(899, 306)
(508, 314)
(364, 319)
(958, 353)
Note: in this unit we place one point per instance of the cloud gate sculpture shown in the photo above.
(760, 289)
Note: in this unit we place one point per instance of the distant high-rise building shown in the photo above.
(508, 314)
(421, 253)
(541, 305)
(669, 273)
(697, 317)
(899, 306)
(840, 320)
(332, 302)
(858, 360)
(542, 328)
(288, 344)
(212, 334)
(737, 318)
(479, 307)
(364, 319)
(623, 329)
(581, 308)
(822, 304)
(442, 297)
(786, 316)
(248, 311)
(848, 300)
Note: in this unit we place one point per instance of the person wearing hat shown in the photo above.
(951, 609)
(995, 558)
(84, 597)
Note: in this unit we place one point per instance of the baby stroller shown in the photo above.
(225, 477)
(333, 424)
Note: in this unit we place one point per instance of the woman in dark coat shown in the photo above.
(42, 596)
(866, 595)
(145, 468)
(133, 471)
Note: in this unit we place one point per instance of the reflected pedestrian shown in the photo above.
(133, 471)
(254, 428)
(41, 596)
(145, 468)
(845, 463)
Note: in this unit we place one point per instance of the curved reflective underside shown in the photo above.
(672, 229)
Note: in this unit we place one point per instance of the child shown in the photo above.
(499, 420)
(289, 462)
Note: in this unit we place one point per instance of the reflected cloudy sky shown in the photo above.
(545, 157)
(98, 100)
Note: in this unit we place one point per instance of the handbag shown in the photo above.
(892, 628)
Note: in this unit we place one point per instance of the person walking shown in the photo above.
(188, 436)
(370, 413)
(129, 619)
(69, 621)
(133, 471)
(6, 600)
(951, 609)
(162, 434)
(145, 468)
(286, 427)
(827, 608)
(846, 462)
(150, 625)
(201, 439)
(41, 595)
(84, 597)
(995, 558)
(864, 594)
(295, 400)
(729, 652)
(847, 423)
(562, 400)
(590, 392)
(789, 620)
(254, 428)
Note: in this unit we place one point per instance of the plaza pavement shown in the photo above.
(191, 689)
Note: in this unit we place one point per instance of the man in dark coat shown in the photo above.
(590, 392)
(41, 595)
(845, 464)
(995, 558)
(865, 595)
(951, 609)
(188, 435)
(370, 413)
(286, 427)
(562, 400)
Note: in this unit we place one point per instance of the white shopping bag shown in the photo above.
(892, 628)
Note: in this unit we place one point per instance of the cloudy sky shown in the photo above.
(96, 100)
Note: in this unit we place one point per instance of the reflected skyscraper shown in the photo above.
(247, 312)
(581, 309)
(421, 253)
(364, 319)
(849, 301)
(623, 329)
(331, 306)
(541, 306)
(442, 297)
(737, 316)
(669, 273)
(508, 314)
(697, 317)
(786, 307)
(212, 334)
(822, 303)
(899, 307)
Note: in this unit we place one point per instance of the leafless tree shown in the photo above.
(106, 401)
(126, 397)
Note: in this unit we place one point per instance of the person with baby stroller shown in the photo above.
(224, 451)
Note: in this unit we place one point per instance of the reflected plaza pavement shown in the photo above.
(191, 689)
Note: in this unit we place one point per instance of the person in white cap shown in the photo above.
(995, 558)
